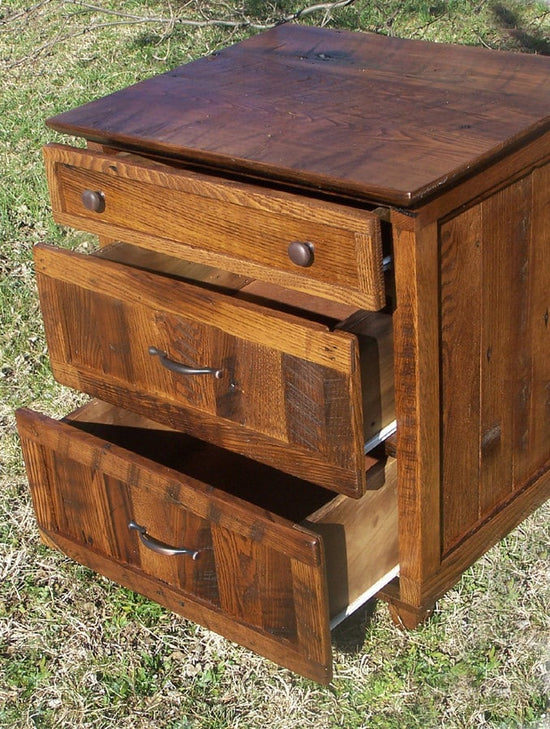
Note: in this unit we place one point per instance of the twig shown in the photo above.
(26, 11)
(130, 18)
(125, 18)
(482, 41)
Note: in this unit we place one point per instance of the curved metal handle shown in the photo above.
(182, 369)
(160, 547)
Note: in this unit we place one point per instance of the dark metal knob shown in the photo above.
(301, 253)
(93, 200)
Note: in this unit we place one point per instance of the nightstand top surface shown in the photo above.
(356, 114)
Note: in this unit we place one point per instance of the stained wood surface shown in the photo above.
(178, 268)
(289, 105)
(374, 332)
(495, 332)
(290, 393)
(238, 227)
(258, 578)
(459, 135)
(417, 397)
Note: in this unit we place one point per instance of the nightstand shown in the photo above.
(316, 330)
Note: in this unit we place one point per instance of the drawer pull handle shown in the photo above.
(160, 547)
(93, 200)
(301, 253)
(182, 369)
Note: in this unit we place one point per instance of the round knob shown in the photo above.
(301, 253)
(93, 200)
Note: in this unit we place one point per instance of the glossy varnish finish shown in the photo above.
(373, 117)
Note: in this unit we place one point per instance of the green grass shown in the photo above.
(76, 650)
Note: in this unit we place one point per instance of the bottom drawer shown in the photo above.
(261, 557)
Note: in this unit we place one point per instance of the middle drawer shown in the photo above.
(282, 389)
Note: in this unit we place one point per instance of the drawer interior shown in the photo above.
(360, 535)
(285, 495)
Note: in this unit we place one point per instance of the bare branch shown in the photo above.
(235, 20)
(131, 18)
(25, 12)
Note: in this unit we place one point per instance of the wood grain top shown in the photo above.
(357, 114)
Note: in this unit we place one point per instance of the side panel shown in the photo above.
(472, 333)
(495, 364)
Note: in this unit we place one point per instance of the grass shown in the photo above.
(76, 650)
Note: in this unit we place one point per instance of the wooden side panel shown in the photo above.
(239, 227)
(539, 281)
(360, 538)
(257, 579)
(495, 294)
(375, 335)
(290, 390)
(416, 337)
(505, 352)
(460, 356)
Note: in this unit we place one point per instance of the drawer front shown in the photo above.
(278, 389)
(238, 227)
(252, 576)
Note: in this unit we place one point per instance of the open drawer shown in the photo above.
(286, 390)
(263, 558)
(322, 248)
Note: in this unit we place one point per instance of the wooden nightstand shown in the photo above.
(308, 240)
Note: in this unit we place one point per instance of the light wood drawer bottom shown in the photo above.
(276, 558)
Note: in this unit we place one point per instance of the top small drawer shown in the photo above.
(308, 245)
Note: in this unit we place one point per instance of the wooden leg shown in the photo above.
(403, 614)
(407, 616)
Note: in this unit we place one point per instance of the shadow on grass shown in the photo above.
(349, 636)
(507, 20)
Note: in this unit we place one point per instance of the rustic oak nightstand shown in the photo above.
(317, 328)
